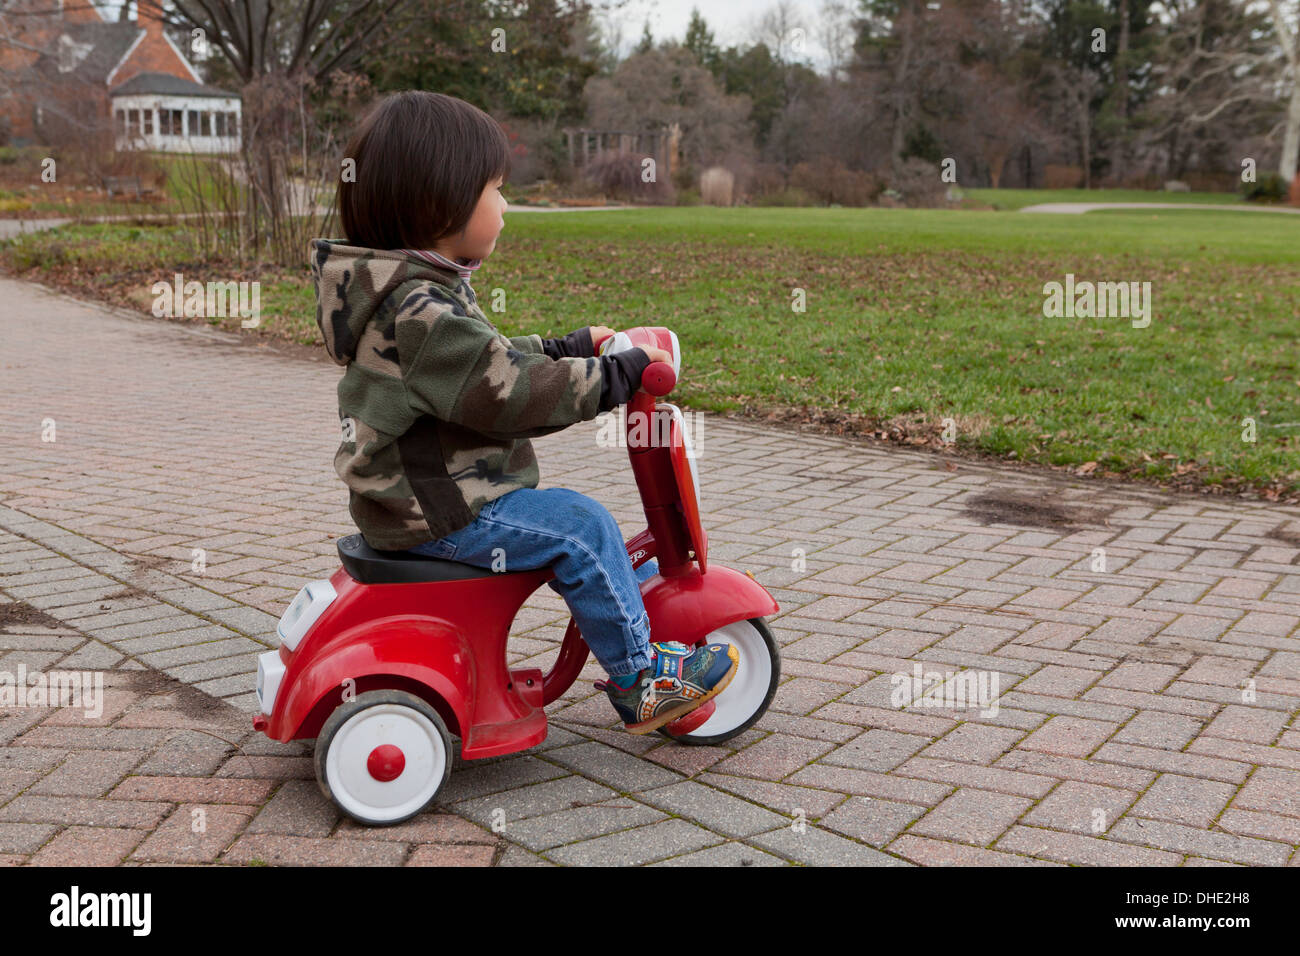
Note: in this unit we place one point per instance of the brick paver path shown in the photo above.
(1144, 644)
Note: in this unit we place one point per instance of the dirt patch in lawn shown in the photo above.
(1025, 511)
(190, 701)
(20, 614)
(1289, 538)
(126, 594)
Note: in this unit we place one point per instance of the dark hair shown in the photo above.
(421, 162)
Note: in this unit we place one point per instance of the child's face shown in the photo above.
(479, 237)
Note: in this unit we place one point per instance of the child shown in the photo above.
(437, 406)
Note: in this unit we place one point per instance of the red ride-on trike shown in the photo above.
(384, 660)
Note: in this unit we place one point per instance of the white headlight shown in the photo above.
(270, 671)
(306, 608)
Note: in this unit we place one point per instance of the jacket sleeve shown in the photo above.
(528, 343)
(460, 370)
(576, 344)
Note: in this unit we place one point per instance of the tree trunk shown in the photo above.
(1291, 50)
(906, 23)
(1085, 137)
(1291, 138)
(995, 169)
(1121, 95)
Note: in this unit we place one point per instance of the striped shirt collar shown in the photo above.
(464, 269)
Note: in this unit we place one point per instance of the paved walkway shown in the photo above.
(9, 228)
(1081, 207)
(1145, 712)
(13, 227)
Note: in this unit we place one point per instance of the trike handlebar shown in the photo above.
(658, 379)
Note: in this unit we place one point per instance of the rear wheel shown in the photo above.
(746, 698)
(383, 756)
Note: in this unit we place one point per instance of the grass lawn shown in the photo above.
(1019, 198)
(912, 317)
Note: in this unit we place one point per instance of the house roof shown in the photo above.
(104, 44)
(166, 85)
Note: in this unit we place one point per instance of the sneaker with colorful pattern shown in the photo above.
(679, 679)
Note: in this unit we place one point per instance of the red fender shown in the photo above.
(421, 649)
(688, 607)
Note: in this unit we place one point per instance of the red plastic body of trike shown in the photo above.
(445, 641)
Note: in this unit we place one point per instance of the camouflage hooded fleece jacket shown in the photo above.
(437, 406)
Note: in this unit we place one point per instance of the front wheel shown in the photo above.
(382, 756)
(746, 698)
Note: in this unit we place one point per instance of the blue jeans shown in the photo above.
(577, 536)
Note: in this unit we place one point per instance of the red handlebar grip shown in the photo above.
(658, 379)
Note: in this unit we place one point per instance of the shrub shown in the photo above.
(537, 150)
(830, 181)
(790, 196)
(717, 186)
(1142, 181)
(1211, 182)
(1062, 177)
(765, 178)
(919, 183)
(1267, 187)
(619, 175)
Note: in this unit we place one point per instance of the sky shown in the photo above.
(730, 22)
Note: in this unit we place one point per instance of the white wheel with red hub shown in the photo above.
(744, 700)
(383, 756)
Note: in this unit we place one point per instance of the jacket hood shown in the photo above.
(352, 282)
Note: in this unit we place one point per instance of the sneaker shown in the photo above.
(679, 679)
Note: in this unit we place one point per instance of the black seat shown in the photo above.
(369, 566)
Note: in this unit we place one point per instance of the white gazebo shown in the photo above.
(162, 112)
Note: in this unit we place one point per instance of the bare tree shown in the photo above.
(1075, 88)
(834, 32)
(999, 122)
(611, 40)
(781, 29)
(1118, 155)
(1284, 25)
(1218, 68)
(258, 37)
(653, 90)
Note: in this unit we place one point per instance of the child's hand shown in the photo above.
(656, 355)
(599, 332)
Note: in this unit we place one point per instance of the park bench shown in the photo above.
(123, 185)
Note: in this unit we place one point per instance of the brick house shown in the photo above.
(69, 72)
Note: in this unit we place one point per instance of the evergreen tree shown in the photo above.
(699, 40)
(647, 41)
